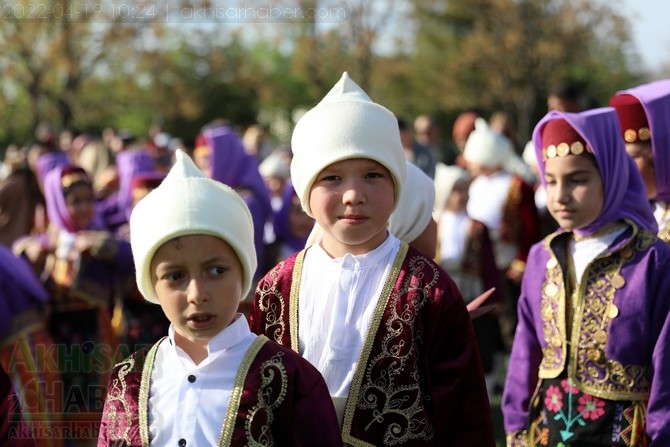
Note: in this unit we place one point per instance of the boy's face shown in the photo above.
(458, 199)
(198, 281)
(643, 157)
(575, 192)
(352, 200)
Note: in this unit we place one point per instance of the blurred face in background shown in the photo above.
(300, 223)
(202, 158)
(642, 155)
(458, 199)
(80, 204)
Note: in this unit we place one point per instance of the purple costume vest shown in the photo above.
(618, 347)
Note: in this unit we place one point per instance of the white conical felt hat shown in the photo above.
(188, 203)
(346, 124)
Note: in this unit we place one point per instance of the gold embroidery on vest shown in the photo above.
(374, 385)
(273, 310)
(236, 395)
(664, 233)
(145, 387)
(294, 297)
(552, 308)
(119, 430)
(589, 366)
(271, 394)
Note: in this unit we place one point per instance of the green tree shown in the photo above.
(504, 54)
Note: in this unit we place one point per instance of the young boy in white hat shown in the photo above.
(210, 381)
(385, 325)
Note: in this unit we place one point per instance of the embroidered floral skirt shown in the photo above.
(562, 416)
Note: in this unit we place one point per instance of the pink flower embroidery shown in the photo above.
(591, 407)
(553, 400)
(569, 387)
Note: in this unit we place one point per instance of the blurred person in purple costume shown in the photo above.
(25, 350)
(81, 265)
(116, 208)
(590, 363)
(220, 154)
(644, 117)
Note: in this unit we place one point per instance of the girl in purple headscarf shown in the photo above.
(24, 349)
(644, 117)
(80, 264)
(589, 363)
(292, 227)
(129, 163)
(220, 154)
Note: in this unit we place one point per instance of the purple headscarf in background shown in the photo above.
(50, 160)
(129, 163)
(232, 166)
(57, 206)
(281, 223)
(20, 290)
(625, 194)
(655, 100)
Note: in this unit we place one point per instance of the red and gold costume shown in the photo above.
(419, 380)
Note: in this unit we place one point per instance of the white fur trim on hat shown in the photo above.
(188, 203)
(486, 147)
(346, 124)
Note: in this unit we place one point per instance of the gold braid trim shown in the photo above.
(236, 393)
(293, 301)
(145, 386)
(589, 367)
(664, 233)
(397, 407)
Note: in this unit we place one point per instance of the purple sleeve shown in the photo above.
(526, 350)
(658, 407)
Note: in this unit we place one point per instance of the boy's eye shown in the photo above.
(173, 276)
(217, 270)
(329, 178)
(374, 175)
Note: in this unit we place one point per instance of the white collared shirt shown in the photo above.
(337, 300)
(188, 401)
(585, 250)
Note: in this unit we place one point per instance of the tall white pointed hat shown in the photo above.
(346, 124)
(189, 203)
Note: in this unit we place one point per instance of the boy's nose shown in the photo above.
(196, 292)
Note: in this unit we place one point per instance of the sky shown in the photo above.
(651, 30)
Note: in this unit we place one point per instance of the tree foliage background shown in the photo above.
(414, 56)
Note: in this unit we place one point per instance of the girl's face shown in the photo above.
(80, 205)
(642, 155)
(352, 201)
(575, 192)
(299, 222)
